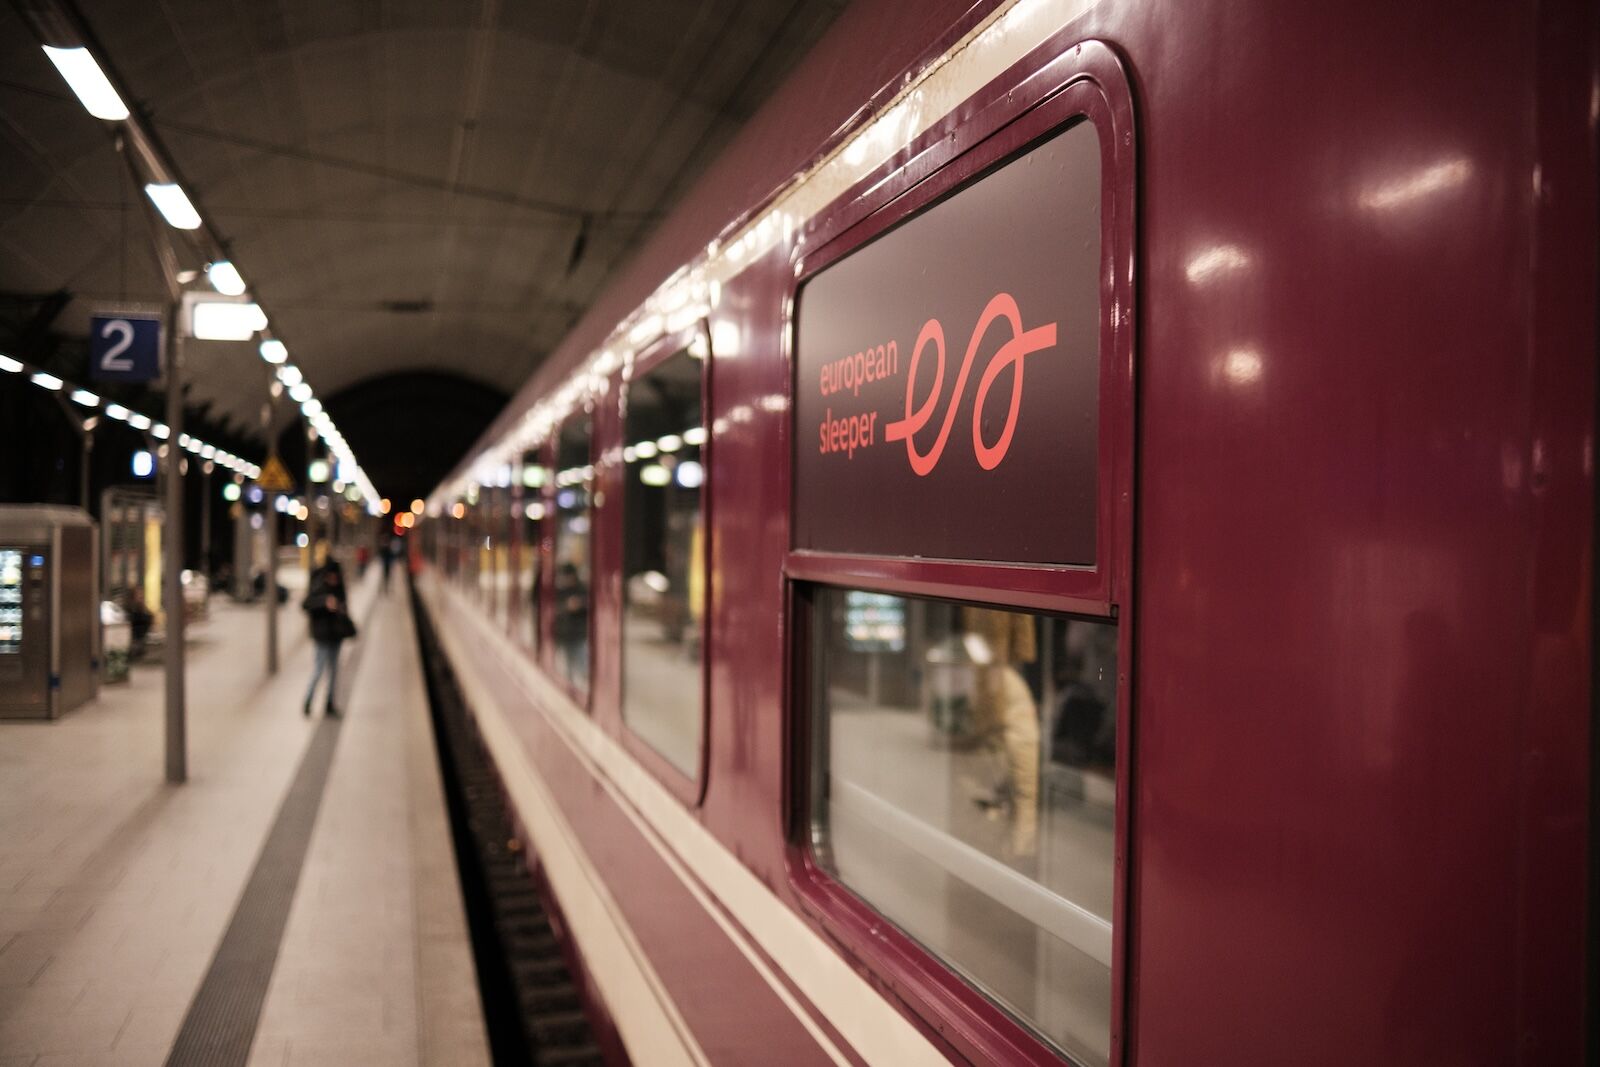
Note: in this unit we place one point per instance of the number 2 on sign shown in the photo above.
(113, 359)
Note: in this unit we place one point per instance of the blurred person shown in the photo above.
(1007, 717)
(391, 550)
(331, 626)
(140, 619)
(571, 626)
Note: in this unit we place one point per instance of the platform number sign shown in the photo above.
(125, 348)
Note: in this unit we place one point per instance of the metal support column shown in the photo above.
(172, 563)
(311, 508)
(271, 502)
(86, 454)
(206, 466)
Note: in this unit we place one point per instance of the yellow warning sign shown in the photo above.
(274, 478)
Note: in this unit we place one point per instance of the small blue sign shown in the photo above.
(125, 348)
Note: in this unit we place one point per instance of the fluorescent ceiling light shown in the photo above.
(47, 381)
(138, 421)
(300, 393)
(84, 75)
(86, 398)
(161, 431)
(225, 278)
(173, 203)
(274, 351)
(215, 320)
(117, 411)
(9, 365)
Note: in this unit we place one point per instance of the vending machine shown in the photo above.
(49, 611)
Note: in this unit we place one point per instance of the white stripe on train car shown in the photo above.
(874, 1027)
(644, 1012)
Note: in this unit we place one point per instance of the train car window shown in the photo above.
(964, 770)
(571, 587)
(534, 476)
(491, 575)
(472, 545)
(948, 398)
(664, 559)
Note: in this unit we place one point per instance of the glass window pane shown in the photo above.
(534, 477)
(663, 560)
(964, 786)
(572, 584)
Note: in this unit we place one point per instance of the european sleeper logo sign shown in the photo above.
(946, 393)
(881, 362)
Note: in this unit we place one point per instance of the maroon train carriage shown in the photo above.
(1075, 541)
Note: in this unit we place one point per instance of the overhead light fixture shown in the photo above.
(695, 435)
(311, 408)
(86, 398)
(689, 474)
(300, 392)
(225, 278)
(138, 421)
(160, 431)
(173, 203)
(216, 320)
(117, 411)
(290, 375)
(274, 351)
(47, 381)
(208, 451)
(9, 365)
(89, 82)
(670, 443)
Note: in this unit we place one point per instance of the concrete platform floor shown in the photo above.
(116, 889)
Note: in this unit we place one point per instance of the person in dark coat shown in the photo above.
(329, 610)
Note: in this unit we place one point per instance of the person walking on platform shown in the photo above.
(391, 549)
(331, 626)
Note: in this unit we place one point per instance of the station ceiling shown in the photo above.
(410, 187)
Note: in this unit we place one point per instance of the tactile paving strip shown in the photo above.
(221, 1023)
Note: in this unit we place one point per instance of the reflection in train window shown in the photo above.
(493, 567)
(963, 784)
(664, 560)
(570, 588)
(534, 477)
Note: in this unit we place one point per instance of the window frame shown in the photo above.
(1062, 82)
(522, 496)
(689, 789)
(584, 699)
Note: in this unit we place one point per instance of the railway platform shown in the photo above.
(295, 902)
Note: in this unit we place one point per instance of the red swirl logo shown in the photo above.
(1022, 343)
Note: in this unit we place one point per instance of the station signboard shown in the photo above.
(125, 347)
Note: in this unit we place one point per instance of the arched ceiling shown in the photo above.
(409, 186)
